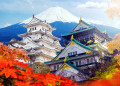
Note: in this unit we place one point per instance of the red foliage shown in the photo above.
(10, 73)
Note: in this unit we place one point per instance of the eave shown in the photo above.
(71, 33)
(71, 58)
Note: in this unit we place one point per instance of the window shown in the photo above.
(42, 28)
(80, 62)
(74, 53)
(87, 60)
(91, 60)
(70, 54)
(72, 77)
(57, 66)
(76, 63)
(54, 67)
(35, 28)
(30, 30)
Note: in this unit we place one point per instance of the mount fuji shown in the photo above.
(57, 17)
(54, 14)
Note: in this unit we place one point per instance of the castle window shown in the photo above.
(54, 67)
(72, 77)
(76, 63)
(42, 28)
(35, 28)
(57, 66)
(87, 60)
(91, 60)
(70, 54)
(80, 62)
(30, 30)
(74, 53)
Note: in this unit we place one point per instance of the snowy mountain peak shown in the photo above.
(55, 14)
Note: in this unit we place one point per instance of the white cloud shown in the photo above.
(31, 4)
(92, 5)
(94, 21)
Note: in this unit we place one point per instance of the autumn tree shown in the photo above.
(11, 73)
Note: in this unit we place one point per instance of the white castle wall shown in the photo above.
(72, 48)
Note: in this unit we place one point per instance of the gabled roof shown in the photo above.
(77, 31)
(78, 43)
(81, 22)
(69, 64)
(77, 28)
(34, 20)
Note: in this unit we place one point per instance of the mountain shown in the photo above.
(57, 17)
(54, 14)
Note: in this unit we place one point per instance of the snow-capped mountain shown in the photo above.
(57, 17)
(54, 14)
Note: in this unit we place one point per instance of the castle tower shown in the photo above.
(83, 54)
(38, 42)
(85, 32)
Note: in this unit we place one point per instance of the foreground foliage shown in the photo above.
(12, 73)
(15, 73)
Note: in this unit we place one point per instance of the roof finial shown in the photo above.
(33, 15)
(81, 18)
(105, 31)
(94, 25)
(72, 37)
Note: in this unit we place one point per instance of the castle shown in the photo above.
(38, 42)
(84, 52)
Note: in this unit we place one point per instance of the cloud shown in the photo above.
(31, 4)
(92, 5)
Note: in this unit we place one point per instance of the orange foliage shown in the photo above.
(11, 74)
(12, 53)
(114, 44)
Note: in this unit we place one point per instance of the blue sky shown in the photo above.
(14, 11)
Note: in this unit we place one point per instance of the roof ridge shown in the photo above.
(76, 31)
(86, 23)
